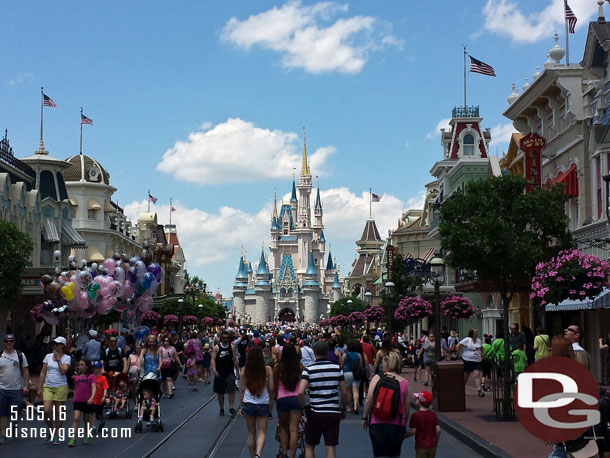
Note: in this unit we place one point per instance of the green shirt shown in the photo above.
(497, 350)
(487, 351)
(542, 343)
(519, 361)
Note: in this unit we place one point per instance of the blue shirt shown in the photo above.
(92, 349)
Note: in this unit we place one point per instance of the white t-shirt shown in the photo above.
(10, 372)
(54, 377)
(471, 351)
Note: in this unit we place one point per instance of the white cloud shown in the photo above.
(416, 202)
(305, 39)
(238, 151)
(500, 135)
(506, 18)
(20, 78)
(442, 124)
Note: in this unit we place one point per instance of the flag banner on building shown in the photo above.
(85, 120)
(172, 208)
(48, 101)
(375, 197)
(429, 254)
(151, 198)
(477, 66)
(571, 18)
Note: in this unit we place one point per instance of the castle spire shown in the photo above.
(275, 204)
(304, 164)
(293, 197)
(318, 204)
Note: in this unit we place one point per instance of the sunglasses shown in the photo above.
(112, 341)
(9, 341)
(571, 330)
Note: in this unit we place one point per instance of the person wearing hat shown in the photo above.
(121, 342)
(93, 348)
(14, 378)
(424, 426)
(54, 389)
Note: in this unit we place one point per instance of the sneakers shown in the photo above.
(3, 440)
(232, 412)
(85, 441)
(71, 443)
(195, 388)
(222, 412)
(56, 441)
(481, 394)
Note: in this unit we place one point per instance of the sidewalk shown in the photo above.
(478, 427)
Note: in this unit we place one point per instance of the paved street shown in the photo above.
(192, 428)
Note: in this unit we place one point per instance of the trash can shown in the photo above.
(448, 386)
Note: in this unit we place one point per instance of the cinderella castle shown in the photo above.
(299, 280)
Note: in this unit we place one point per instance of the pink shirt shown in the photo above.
(82, 387)
(399, 419)
(282, 392)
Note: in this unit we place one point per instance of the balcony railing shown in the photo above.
(465, 112)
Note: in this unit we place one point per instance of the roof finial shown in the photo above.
(275, 203)
(304, 164)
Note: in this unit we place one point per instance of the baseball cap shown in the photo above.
(97, 364)
(425, 397)
(60, 340)
(93, 333)
(9, 337)
(174, 333)
(124, 331)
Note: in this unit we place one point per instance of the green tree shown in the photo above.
(15, 250)
(496, 229)
(405, 284)
(341, 307)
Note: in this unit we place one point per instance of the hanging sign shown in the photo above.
(532, 145)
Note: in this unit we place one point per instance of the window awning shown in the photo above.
(94, 255)
(73, 201)
(70, 237)
(108, 207)
(93, 204)
(570, 179)
(601, 301)
(49, 230)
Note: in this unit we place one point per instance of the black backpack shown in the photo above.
(386, 399)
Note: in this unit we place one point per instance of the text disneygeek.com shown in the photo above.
(20, 432)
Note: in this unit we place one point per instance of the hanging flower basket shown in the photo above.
(207, 321)
(357, 317)
(458, 308)
(151, 317)
(170, 320)
(376, 314)
(569, 275)
(412, 308)
(36, 313)
(220, 321)
(324, 322)
(189, 319)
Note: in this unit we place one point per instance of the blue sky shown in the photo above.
(205, 102)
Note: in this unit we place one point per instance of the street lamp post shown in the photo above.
(437, 275)
(368, 297)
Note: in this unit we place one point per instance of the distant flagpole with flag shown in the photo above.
(171, 210)
(83, 120)
(372, 198)
(45, 101)
(476, 66)
(150, 197)
(570, 20)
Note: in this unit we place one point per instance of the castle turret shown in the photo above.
(262, 286)
(239, 289)
(311, 292)
(275, 225)
(336, 292)
(304, 215)
(294, 203)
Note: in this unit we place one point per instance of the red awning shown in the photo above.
(570, 179)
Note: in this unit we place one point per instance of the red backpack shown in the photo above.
(386, 399)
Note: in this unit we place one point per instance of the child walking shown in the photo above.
(424, 426)
(207, 361)
(84, 392)
(101, 390)
(191, 371)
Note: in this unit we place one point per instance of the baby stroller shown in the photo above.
(301, 440)
(149, 383)
(114, 380)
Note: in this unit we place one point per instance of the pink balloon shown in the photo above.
(74, 279)
(84, 300)
(128, 290)
(145, 304)
(104, 291)
(109, 264)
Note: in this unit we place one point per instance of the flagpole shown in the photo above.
(148, 200)
(565, 19)
(370, 203)
(81, 131)
(41, 119)
(170, 211)
(464, 77)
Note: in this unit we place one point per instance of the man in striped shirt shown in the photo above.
(325, 382)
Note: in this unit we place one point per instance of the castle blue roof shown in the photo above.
(330, 265)
(318, 205)
(262, 283)
(286, 210)
(287, 269)
(241, 272)
(336, 283)
(274, 224)
(262, 265)
(250, 291)
(311, 267)
(249, 267)
(293, 198)
(241, 285)
(322, 239)
(311, 283)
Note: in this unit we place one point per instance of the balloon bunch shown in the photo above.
(120, 283)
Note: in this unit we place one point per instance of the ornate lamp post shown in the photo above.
(368, 297)
(437, 275)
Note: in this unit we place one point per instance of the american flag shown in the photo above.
(151, 198)
(375, 197)
(48, 101)
(571, 18)
(85, 120)
(476, 66)
(172, 208)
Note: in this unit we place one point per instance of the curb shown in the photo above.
(469, 438)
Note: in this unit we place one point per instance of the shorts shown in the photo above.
(428, 362)
(288, 403)
(58, 393)
(386, 439)
(255, 410)
(224, 384)
(83, 407)
(471, 366)
(322, 424)
(425, 452)
(486, 367)
(98, 410)
(349, 380)
(420, 362)
(168, 373)
(10, 398)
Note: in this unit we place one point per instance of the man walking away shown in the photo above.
(327, 401)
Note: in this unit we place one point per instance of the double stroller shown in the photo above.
(117, 398)
(148, 403)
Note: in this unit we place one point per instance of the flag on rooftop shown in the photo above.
(151, 198)
(48, 101)
(172, 208)
(85, 120)
(571, 18)
(375, 197)
(477, 66)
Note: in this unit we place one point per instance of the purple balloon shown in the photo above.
(133, 274)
